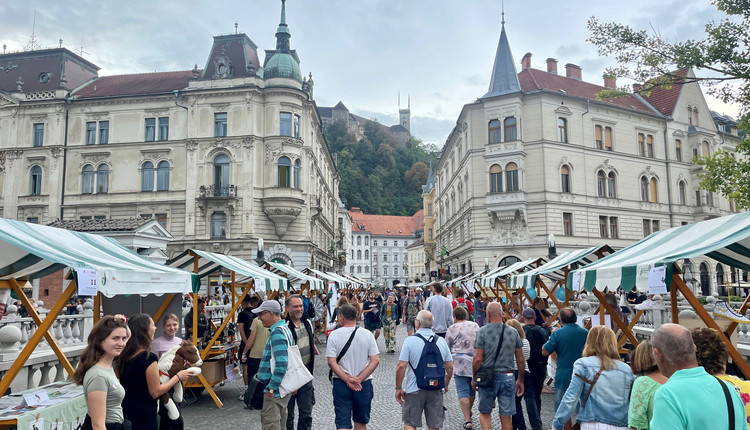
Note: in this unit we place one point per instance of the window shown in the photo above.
(150, 129)
(494, 131)
(565, 179)
(603, 233)
(709, 198)
(296, 126)
(510, 129)
(91, 133)
(375, 242)
(285, 167)
(220, 124)
(147, 176)
(562, 130)
(359, 254)
(644, 189)
(285, 123)
(367, 269)
(611, 185)
(608, 138)
(38, 134)
(164, 128)
(511, 177)
(103, 132)
(161, 219)
(690, 115)
(601, 184)
(36, 181)
(162, 176)
(705, 149)
(367, 254)
(650, 146)
(603, 137)
(359, 240)
(385, 257)
(567, 224)
(641, 144)
(646, 227)
(367, 241)
(655, 225)
(297, 173)
(35, 220)
(613, 230)
(678, 149)
(695, 116)
(218, 225)
(102, 179)
(683, 193)
(395, 270)
(87, 179)
(430, 234)
(385, 270)
(496, 179)
(697, 197)
(653, 191)
(359, 269)
(221, 175)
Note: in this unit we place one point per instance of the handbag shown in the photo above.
(577, 425)
(254, 393)
(297, 373)
(485, 376)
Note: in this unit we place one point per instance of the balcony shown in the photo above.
(282, 205)
(505, 203)
(217, 192)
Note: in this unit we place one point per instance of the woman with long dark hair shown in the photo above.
(139, 375)
(101, 389)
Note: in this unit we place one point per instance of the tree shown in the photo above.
(722, 60)
(417, 175)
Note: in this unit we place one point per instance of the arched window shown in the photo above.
(495, 130)
(367, 254)
(284, 172)
(612, 185)
(297, 173)
(511, 177)
(601, 184)
(705, 149)
(690, 114)
(367, 241)
(678, 149)
(644, 189)
(653, 191)
(641, 144)
(102, 179)
(695, 116)
(147, 176)
(507, 261)
(87, 179)
(359, 254)
(683, 192)
(162, 176)
(359, 240)
(510, 128)
(704, 278)
(36, 181)
(565, 179)
(496, 179)
(221, 175)
(562, 130)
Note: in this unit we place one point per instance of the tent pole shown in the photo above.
(605, 306)
(234, 294)
(224, 323)
(163, 307)
(196, 269)
(97, 307)
(673, 301)
(743, 309)
(621, 341)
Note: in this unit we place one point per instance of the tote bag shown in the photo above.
(297, 373)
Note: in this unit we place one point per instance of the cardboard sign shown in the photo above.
(37, 425)
(657, 280)
(88, 282)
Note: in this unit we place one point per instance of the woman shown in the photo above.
(388, 320)
(342, 301)
(607, 405)
(540, 307)
(460, 338)
(139, 375)
(648, 381)
(101, 389)
(169, 339)
(253, 351)
(713, 356)
(480, 306)
(370, 309)
(518, 420)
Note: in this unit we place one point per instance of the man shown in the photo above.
(537, 365)
(691, 399)
(567, 342)
(371, 311)
(244, 319)
(352, 371)
(274, 412)
(461, 301)
(412, 306)
(303, 334)
(486, 346)
(202, 321)
(415, 401)
(440, 308)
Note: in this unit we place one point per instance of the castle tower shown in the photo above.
(404, 115)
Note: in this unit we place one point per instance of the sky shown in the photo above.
(438, 53)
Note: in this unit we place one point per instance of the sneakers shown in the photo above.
(723, 310)
(647, 304)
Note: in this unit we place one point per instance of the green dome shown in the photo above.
(282, 65)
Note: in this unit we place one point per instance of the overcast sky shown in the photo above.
(361, 52)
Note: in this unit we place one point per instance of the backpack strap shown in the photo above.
(343, 352)
(730, 405)
(425, 342)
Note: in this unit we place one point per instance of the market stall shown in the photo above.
(494, 281)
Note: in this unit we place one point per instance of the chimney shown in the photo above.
(356, 210)
(551, 65)
(609, 81)
(637, 87)
(573, 71)
(526, 61)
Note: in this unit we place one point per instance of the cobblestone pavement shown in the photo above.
(386, 413)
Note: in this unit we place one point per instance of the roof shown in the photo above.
(504, 79)
(99, 225)
(416, 244)
(537, 80)
(135, 84)
(340, 105)
(398, 128)
(665, 99)
(488, 279)
(325, 112)
(419, 215)
(426, 188)
(282, 65)
(387, 225)
(555, 268)
(210, 262)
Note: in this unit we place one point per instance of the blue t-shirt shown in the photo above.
(411, 352)
(568, 343)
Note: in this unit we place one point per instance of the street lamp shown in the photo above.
(260, 258)
(551, 249)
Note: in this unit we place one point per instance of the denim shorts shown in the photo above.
(504, 390)
(463, 387)
(351, 405)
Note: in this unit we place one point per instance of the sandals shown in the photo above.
(468, 425)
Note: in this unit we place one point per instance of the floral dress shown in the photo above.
(743, 388)
(641, 407)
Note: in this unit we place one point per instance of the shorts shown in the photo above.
(351, 405)
(428, 401)
(372, 325)
(463, 387)
(504, 390)
(410, 325)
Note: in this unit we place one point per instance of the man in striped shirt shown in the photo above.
(274, 412)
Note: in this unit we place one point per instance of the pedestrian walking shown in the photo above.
(304, 337)
(244, 321)
(388, 318)
(479, 308)
(352, 356)
(567, 342)
(440, 308)
(462, 301)
(461, 337)
(274, 412)
(537, 368)
(648, 380)
(254, 347)
(371, 311)
(412, 306)
(519, 422)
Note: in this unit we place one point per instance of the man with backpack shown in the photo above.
(427, 363)
(461, 301)
(412, 306)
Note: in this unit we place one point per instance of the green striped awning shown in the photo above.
(725, 239)
(331, 277)
(210, 262)
(488, 280)
(555, 268)
(31, 251)
(297, 276)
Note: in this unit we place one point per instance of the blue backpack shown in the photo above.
(430, 371)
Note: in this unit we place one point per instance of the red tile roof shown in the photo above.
(663, 99)
(535, 80)
(135, 84)
(387, 225)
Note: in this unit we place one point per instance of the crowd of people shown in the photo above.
(498, 362)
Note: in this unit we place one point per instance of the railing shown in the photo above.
(217, 191)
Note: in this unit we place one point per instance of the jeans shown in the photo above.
(534, 382)
(305, 399)
(532, 408)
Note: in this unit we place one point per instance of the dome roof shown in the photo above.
(282, 65)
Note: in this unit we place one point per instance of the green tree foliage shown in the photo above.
(721, 58)
(377, 174)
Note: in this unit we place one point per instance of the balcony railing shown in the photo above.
(217, 192)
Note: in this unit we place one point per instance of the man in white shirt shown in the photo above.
(441, 309)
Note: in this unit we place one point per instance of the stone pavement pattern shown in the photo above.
(386, 412)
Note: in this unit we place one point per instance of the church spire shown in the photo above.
(282, 33)
(504, 79)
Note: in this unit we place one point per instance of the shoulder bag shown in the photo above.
(485, 376)
(577, 426)
(730, 405)
(343, 351)
(297, 373)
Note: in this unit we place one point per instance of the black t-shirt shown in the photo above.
(138, 406)
(537, 337)
(632, 297)
(374, 315)
(246, 318)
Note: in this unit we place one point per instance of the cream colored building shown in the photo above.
(538, 154)
(417, 258)
(220, 156)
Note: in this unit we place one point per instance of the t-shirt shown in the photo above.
(460, 338)
(442, 313)
(104, 379)
(525, 350)
(358, 355)
(477, 305)
(138, 406)
(261, 337)
(245, 318)
(488, 339)
(536, 336)
(568, 342)
(641, 407)
(162, 344)
(367, 305)
(411, 351)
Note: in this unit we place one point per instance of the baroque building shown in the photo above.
(539, 154)
(220, 156)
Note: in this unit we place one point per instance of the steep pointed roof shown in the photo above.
(504, 79)
(426, 188)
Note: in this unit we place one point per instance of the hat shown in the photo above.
(268, 305)
(528, 313)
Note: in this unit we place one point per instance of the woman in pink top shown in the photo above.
(169, 339)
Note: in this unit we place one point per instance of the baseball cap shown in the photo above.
(528, 313)
(268, 305)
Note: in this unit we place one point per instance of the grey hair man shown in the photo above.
(441, 309)
(303, 334)
(709, 401)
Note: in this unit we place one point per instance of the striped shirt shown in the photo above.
(277, 345)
